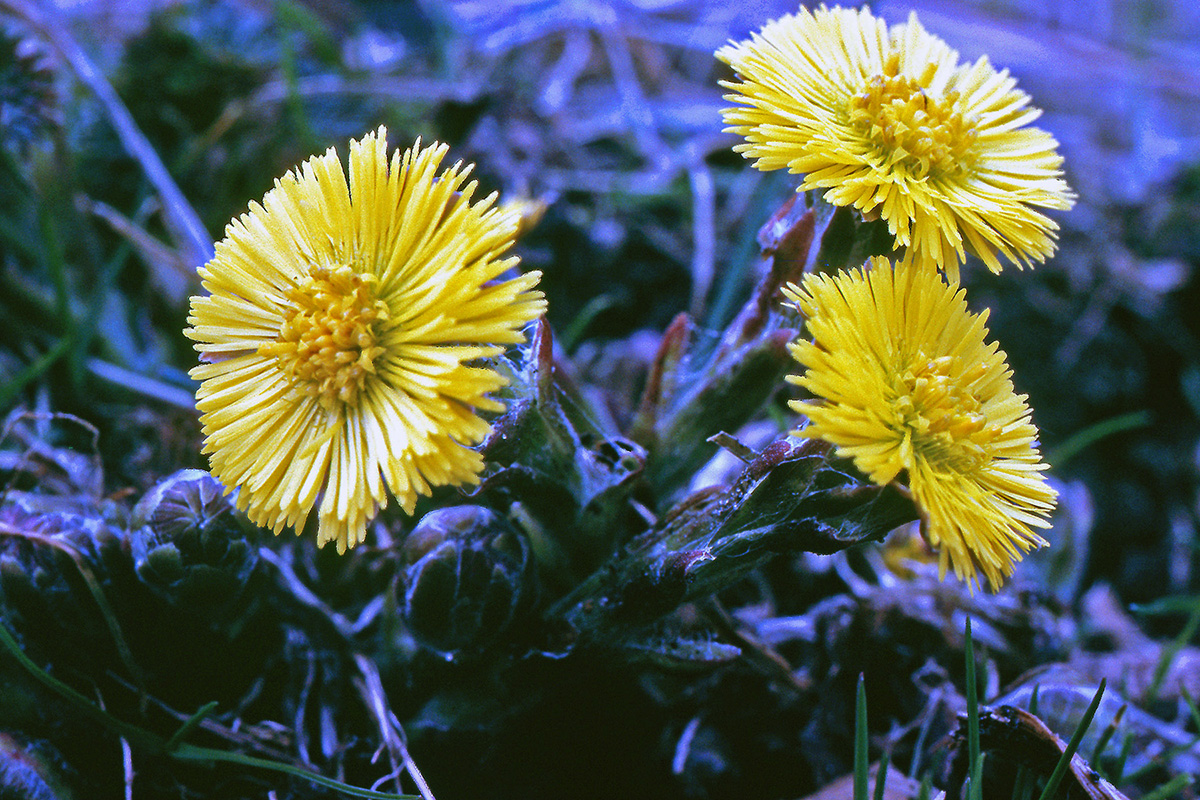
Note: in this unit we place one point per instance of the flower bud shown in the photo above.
(50, 565)
(469, 578)
(188, 544)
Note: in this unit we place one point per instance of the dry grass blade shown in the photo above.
(182, 220)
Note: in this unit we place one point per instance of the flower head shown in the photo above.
(905, 382)
(886, 120)
(342, 337)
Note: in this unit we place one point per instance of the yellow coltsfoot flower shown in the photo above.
(907, 386)
(886, 120)
(343, 335)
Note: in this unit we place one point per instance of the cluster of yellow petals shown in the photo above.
(329, 340)
(911, 129)
(888, 121)
(907, 386)
(344, 337)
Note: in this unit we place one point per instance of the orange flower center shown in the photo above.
(945, 419)
(328, 341)
(909, 129)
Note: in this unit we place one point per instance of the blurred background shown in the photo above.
(133, 130)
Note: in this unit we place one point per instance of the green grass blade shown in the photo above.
(860, 742)
(1175, 604)
(574, 332)
(1118, 774)
(101, 289)
(975, 787)
(1162, 758)
(1171, 650)
(10, 390)
(737, 278)
(926, 786)
(190, 724)
(1171, 789)
(1191, 704)
(1094, 433)
(1060, 769)
(291, 18)
(1023, 784)
(187, 752)
(56, 266)
(1107, 734)
(134, 735)
(145, 740)
(972, 703)
(881, 775)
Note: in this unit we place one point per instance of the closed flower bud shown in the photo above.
(188, 544)
(469, 578)
(46, 566)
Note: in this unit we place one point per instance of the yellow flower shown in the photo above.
(343, 335)
(906, 383)
(888, 121)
